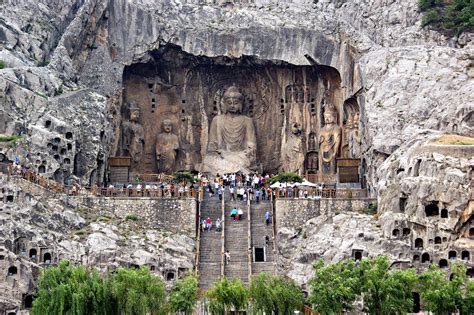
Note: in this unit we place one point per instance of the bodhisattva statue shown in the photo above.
(232, 145)
(355, 140)
(133, 137)
(166, 148)
(292, 151)
(329, 141)
(347, 137)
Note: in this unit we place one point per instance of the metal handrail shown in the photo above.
(223, 233)
(249, 239)
(310, 192)
(274, 235)
(198, 236)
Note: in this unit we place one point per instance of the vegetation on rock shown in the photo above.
(454, 16)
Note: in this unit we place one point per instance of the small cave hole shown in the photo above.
(418, 243)
(57, 140)
(169, 276)
(69, 135)
(396, 232)
(425, 258)
(416, 302)
(183, 101)
(2, 257)
(69, 146)
(152, 268)
(400, 170)
(416, 258)
(42, 169)
(357, 254)
(406, 231)
(402, 203)
(54, 148)
(150, 85)
(471, 232)
(63, 151)
(47, 258)
(465, 255)
(259, 254)
(470, 272)
(431, 210)
(134, 266)
(67, 161)
(10, 198)
(452, 254)
(57, 157)
(443, 263)
(28, 301)
(47, 123)
(445, 239)
(33, 253)
(437, 240)
(12, 271)
(444, 213)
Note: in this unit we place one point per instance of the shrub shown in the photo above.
(2, 64)
(132, 217)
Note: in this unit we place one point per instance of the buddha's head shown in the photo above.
(233, 100)
(167, 126)
(134, 113)
(329, 115)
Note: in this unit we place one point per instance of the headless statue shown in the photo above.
(166, 148)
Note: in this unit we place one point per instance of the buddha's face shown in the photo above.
(295, 128)
(167, 126)
(233, 102)
(328, 117)
(134, 115)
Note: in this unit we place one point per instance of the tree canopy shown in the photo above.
(286, 177)
(226, 295)
(183, 296)
(453, 16)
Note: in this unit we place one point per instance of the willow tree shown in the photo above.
(183, 296)
(274, 295)
(137, 292)
(71, 290)
(227, 295)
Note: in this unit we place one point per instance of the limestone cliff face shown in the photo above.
(62, 90)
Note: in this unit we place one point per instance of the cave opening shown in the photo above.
(418, 243)
(425, 258)
(443, 263)
(12, 270)
(432, 209)
(465, 255)
(188, 91)
(452, 254)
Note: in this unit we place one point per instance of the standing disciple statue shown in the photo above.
(133, 137)
(232, 145)
(329, 141)
(347, 137)
(166, 148)
(355, 140)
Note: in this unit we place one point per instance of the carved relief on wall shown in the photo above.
(166, 147)
(133, 138)
(232, 145)
(329, 141)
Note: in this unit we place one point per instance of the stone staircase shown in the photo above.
(210, 245)
(259, 230)
(236, 242)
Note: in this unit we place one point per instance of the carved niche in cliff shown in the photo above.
(282, 102)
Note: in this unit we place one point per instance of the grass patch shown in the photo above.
(103, 219)
(454, 140)
(132, 217)
(10, 138)
(80, 232)
(370, 210)
(2, 64)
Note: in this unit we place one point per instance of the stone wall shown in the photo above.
(293, 213)
(170, 214)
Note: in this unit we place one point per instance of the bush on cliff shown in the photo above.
(452, 17)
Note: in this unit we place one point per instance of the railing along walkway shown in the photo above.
(149, 191)
(317, 193)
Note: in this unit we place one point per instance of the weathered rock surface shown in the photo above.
(64, 71)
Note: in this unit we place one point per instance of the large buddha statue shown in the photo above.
(329, 141)
(232, 145)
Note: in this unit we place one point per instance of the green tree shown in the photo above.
(183, 296)
(334, 287)
(71, 290)
(137, 292)
(226, 295)
(440, 295)
(468, 300)
(286, 177)
(386, 291)
(274, 294)
(183, 177)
